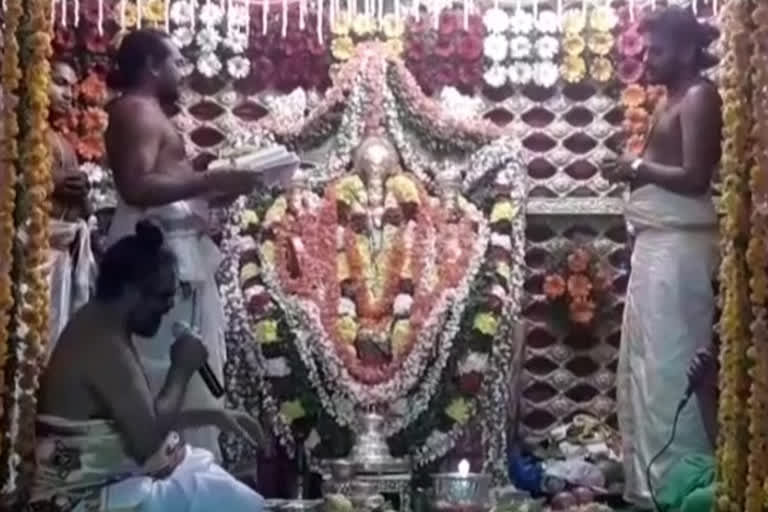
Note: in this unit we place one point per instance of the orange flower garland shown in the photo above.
(11, 76)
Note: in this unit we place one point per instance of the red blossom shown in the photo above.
(449, 23)
(95, 42)
(415, 51)
(470, 47)
(444, 47)
(470, 383)
(475, 26)
(630, 70)
(64, 39)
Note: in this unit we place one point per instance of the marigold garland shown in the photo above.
(734, 383)
(29, 321)
(11, 76)
(757, 261)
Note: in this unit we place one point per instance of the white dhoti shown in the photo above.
(197, 304)
(668, 316)
(82, 467)
(71, 274)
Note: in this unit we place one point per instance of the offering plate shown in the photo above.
(370, 454)
(461, 492)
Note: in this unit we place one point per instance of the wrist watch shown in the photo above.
(635, 167)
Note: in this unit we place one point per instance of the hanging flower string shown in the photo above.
(11, 76)
(732, 455)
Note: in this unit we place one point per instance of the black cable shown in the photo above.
(680, 407)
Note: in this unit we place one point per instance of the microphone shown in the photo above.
(180, 329)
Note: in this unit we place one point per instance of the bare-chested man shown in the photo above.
(105, 440)
(155, 179)
(670, 302)
(72, 267)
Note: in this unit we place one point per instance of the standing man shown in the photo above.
(155, 180)
(72, 267)
(670, 302)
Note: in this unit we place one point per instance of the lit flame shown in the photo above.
(464, 468)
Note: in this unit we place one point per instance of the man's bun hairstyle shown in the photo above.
(135, 51)
(680, 24)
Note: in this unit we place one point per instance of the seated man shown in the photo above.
(690, 484)
(104, 442)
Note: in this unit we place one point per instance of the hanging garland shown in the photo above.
(29, 324)
(734, 385)
(756, 259)
(10, 82)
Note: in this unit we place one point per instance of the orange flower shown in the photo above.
(581, 311)
(578, 260)
(601, 281)
(579, 286)
(636, 144)
(91, 146)
(554, 286)
(93, 120)
(93, 90)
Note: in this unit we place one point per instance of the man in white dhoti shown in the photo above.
(71, 264)
(105, 441)
(154, 179)
(670, 301)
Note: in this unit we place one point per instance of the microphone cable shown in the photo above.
(680, 407)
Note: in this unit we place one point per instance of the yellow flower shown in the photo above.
(503, 210)
(603, 19)
(342, 24)
(342, 48)
(459, 410)
(154, 10)
(573, 69)
(249, 271)
(351, 190)
(401, 334)
(248, 219)
(574, 21)
(277, 211)
(393, 47)
(392, 27)
(600, 43)
(363, 25)
(342, 267)
(502, 268)
(486, 323)
(131, 15)
(268, 252)
(266, 332)
(404, 189)
(292, 410)
(601, 69)
(633, 96)
(347, 329)
(574, 45)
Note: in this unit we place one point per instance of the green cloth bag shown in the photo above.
(689, 486)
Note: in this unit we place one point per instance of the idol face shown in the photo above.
(62, 88)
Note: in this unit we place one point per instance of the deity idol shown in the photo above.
(375, 263)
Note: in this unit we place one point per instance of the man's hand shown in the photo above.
(73, 186)
(188, 353)
(703, 368)
(248, 427)
(618, 169)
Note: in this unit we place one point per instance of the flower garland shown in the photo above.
(757, 261)
(348, 31)
(734, 385)
(11, 75)
(30, 315)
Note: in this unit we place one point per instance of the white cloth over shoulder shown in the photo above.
(83, 464)
(198, 258)
(71, 273)
(668, 316)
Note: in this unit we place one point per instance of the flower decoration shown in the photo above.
(153, 12)
(342, 48)
(548, 22)
(574, 45)
(521, 22)
(545, 74)
(496, 20)
(573, 69)
(520, 73)
(600, 43)
(574, 21)
(633, 96)
(630, 70)
(601, 69)
(576, 286)
(520, 47)
(392, 27)
(495, 47)
(495, 76)
(603, 19)
(631, 42)
(547, 47)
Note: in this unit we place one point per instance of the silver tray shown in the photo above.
(299, 506)
(384, 466)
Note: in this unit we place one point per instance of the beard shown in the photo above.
(169, 96)
(147, 328)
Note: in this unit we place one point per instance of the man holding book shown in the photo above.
(155, 179)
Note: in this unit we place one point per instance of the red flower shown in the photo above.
(94, 42)
(449, 23)
(470, 383)
(93, 90)
(470, 74)
(418, 27)
(64, 39)
(445, 75)
(415, 51)
(470, 47)
(475, 26)
(630, 70)
(90, 11)
(290, 73)
(631, 43)
(444, 47)
(293, 44)
(314, 45)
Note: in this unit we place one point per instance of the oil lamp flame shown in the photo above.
(464, 468)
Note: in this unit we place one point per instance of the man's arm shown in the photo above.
(133, 142)
(118, 382)
(701, 130)
(171, 397)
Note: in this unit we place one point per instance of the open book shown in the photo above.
(276, 165)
